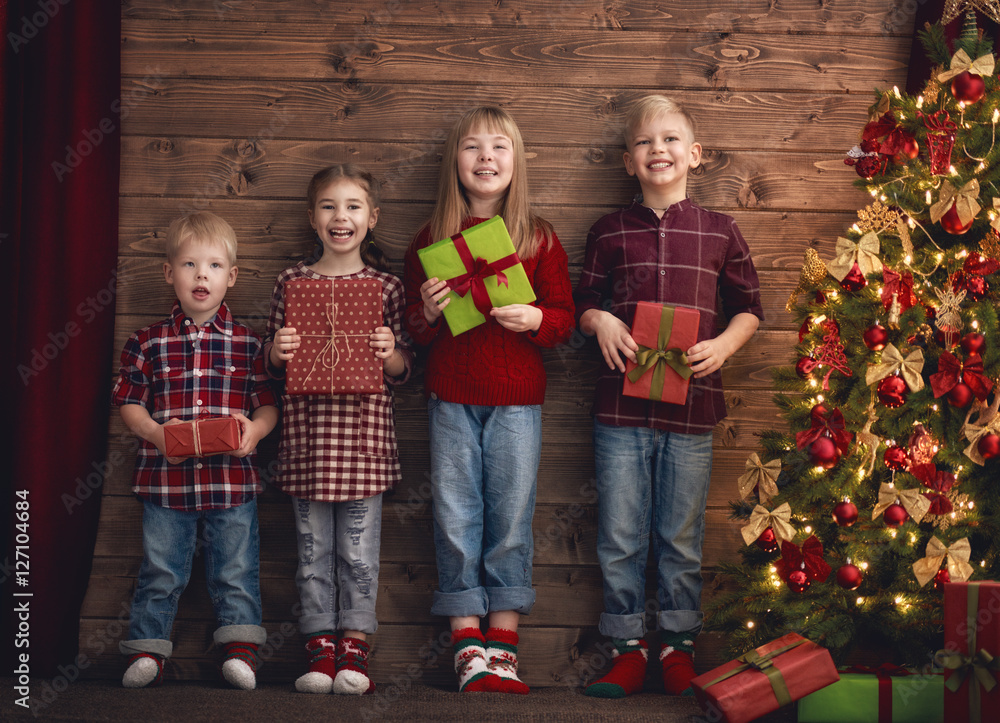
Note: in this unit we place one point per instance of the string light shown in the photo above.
(892, 534)
(750, 624)
(920, 103)
(860, 601)
(928, 198)
(863, 565)
(895, 89)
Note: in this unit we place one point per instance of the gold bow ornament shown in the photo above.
(893, 361)
(959, 569)
(961, 62)
(864, 253)
(915, 504)
(963, 199)
(762, 476)
(813, 271)
(777, 519)
(988, 423)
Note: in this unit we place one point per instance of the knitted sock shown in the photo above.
(352, 668)
(322, 648)
(677, 657)
(501, 652)
(240, 665)
(470, 662)
(144, 670)
(627, 672)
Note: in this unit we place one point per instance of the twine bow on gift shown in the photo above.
(958, 553)
(951, 371)
(762, 476)
(477, 270)
(915, 504)
(777, 519)
(961, 62)
(893, 361)
(964, 200)
(659, 358)
(864, 253)
(329, 356)
(764, 663)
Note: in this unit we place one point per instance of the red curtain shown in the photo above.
(58, 235)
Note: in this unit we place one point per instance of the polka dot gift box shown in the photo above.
(335, 319)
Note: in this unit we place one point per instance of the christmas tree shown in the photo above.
(889, 483)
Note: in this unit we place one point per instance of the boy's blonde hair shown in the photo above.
(652, 106)
(452, 205)
(202, 227)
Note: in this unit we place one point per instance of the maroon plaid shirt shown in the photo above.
(691, 257)
(177, 369)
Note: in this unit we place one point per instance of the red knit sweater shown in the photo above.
(491, 365)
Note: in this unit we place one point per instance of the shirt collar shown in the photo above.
(222, 321)
(679, 207)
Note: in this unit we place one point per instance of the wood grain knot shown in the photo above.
(246, 148)
(165, 145)
(596, 155)
(239, 184)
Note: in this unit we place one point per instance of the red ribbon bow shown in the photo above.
(900, 286)
(809, 559)
(938, 480)
(478, 270)
(832, 424)
(951, 371)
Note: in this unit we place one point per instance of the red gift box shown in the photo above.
(971, 655)
(765, 679)
(663, 333)
(335, 319)
(202, 437)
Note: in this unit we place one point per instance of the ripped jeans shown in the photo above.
(338, 563)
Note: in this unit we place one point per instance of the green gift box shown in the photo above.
(482, 271)
(877, 697)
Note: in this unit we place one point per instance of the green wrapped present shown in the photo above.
(482, 271)
(885, 695)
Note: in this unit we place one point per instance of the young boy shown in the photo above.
(197, 363)
(653, 460)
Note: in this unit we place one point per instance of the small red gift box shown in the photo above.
(663, 333)
(765, 679)
(335, 319)
(971, 655)
(202, 437)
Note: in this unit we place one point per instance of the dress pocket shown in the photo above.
(376, 425)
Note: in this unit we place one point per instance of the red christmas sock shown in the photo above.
(677, 657)
(627, 671)
(240, 665)
(322, 649)
(144, 670)
(470, 662)
(501, 654)
(352, 668)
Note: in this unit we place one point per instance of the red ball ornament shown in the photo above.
(989, 446)
(973, 343)
(824, 453)
(855, 280)
(960, 395)
(892, 391)
(896, 458)
(876, 337)
(895, 515)
(805, 366)
(849, 577)
(767, 541)
(798, 581)
(968, 87)
(941, 578)
(951, 223)
(845, 513)
(908, 150)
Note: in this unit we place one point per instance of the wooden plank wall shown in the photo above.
(231, 106)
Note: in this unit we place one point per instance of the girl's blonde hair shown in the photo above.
(371, 254)
(527, 230)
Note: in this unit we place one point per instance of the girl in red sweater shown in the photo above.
(485, 389)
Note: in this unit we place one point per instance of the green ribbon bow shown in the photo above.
(982, 664)
(765, 664)
(660, 357)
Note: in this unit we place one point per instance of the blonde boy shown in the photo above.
(653, 460)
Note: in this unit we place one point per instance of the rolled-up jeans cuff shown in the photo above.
(363, 621)
(518, 599)
(240, 634)
(148, 645)
(680, 621)
(624, 627)
(460, 604)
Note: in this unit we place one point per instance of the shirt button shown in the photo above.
(199, 402)
(662, 234)
(663, 272)
(166, 369)
(199, 465)
(187, 322)
(232, 369)
(197, 372)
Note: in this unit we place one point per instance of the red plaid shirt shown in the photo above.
(177, 369)
(691, 257)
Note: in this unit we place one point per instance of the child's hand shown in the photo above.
(432, 292)
(615, 339)
(286, 341)
(383, 341)
(518, 317)
(160, 440)
(707, 356)
(250, 435)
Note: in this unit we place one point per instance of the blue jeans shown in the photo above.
(648, 481)
(338, 563)
(170, 539)
(484, 465)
